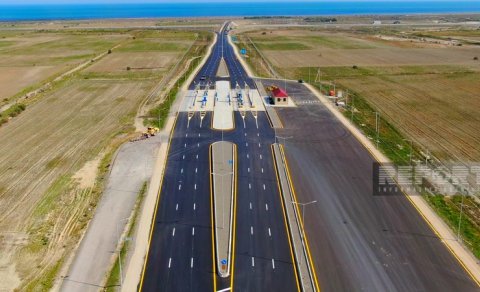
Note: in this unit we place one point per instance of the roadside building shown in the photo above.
(279, 96)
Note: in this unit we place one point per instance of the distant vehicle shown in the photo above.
(203, 78)
(300, 80)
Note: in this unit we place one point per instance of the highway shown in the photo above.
(180, 254)
(359, 242)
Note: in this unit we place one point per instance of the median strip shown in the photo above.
(304, 266)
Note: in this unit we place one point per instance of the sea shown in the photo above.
(15, 12)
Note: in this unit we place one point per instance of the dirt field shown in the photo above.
(50, 153)
(428, 89)
(28, 58)
(118, 62)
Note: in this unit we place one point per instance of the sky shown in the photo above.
(17, 2)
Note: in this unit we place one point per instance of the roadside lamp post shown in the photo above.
(282, 138)
(377, 127)
(120, 250)
(303, 205)
(223, 197)
(411, 150)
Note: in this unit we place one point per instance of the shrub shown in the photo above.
(355, 67)
(475, 58)
(128, 68)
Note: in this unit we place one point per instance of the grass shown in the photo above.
(282, 46)
(11, 112)
(147, 45)
(113, 280)
(334, 42)
(47, 279)
(449, 209)
(157, 116)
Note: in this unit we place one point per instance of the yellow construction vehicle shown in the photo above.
(151, 131)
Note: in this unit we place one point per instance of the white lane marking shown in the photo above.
(198, 134)
(259, 145)
(193, 231)
(198, 144)
(181, 171)
(195, 186)
(186, 135)
(197, 156)
(251, 230)
(179, 187)
(225, 290)
(173, 232)
(183, 156)
(185, 145)
(176, 207)
(262, 169)
(246, 144)
(249, 186)
(253, 262)
(191, 263)
(273, 264)
(258, 134)
(261, 156)
(248, 156)
(169, 262)
(266, 207)
(245, 134)
(249, 169)
(269, 232)
(263, 186)
(250, 205)
(194, 206)
(196, 169)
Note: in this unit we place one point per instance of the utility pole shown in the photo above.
(303, 205)
(377, 127)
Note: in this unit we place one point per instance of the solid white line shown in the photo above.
(193, 231)
(253, 262)
(173, 232)
(269, 232)
(194, 206)
(251, 230)
(169, 262)
(273, 264)
(266, 207)
(191, 263)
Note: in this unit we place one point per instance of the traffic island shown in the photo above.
(223, 182)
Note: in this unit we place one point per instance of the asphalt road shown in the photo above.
(180, 253)
(359, 242)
